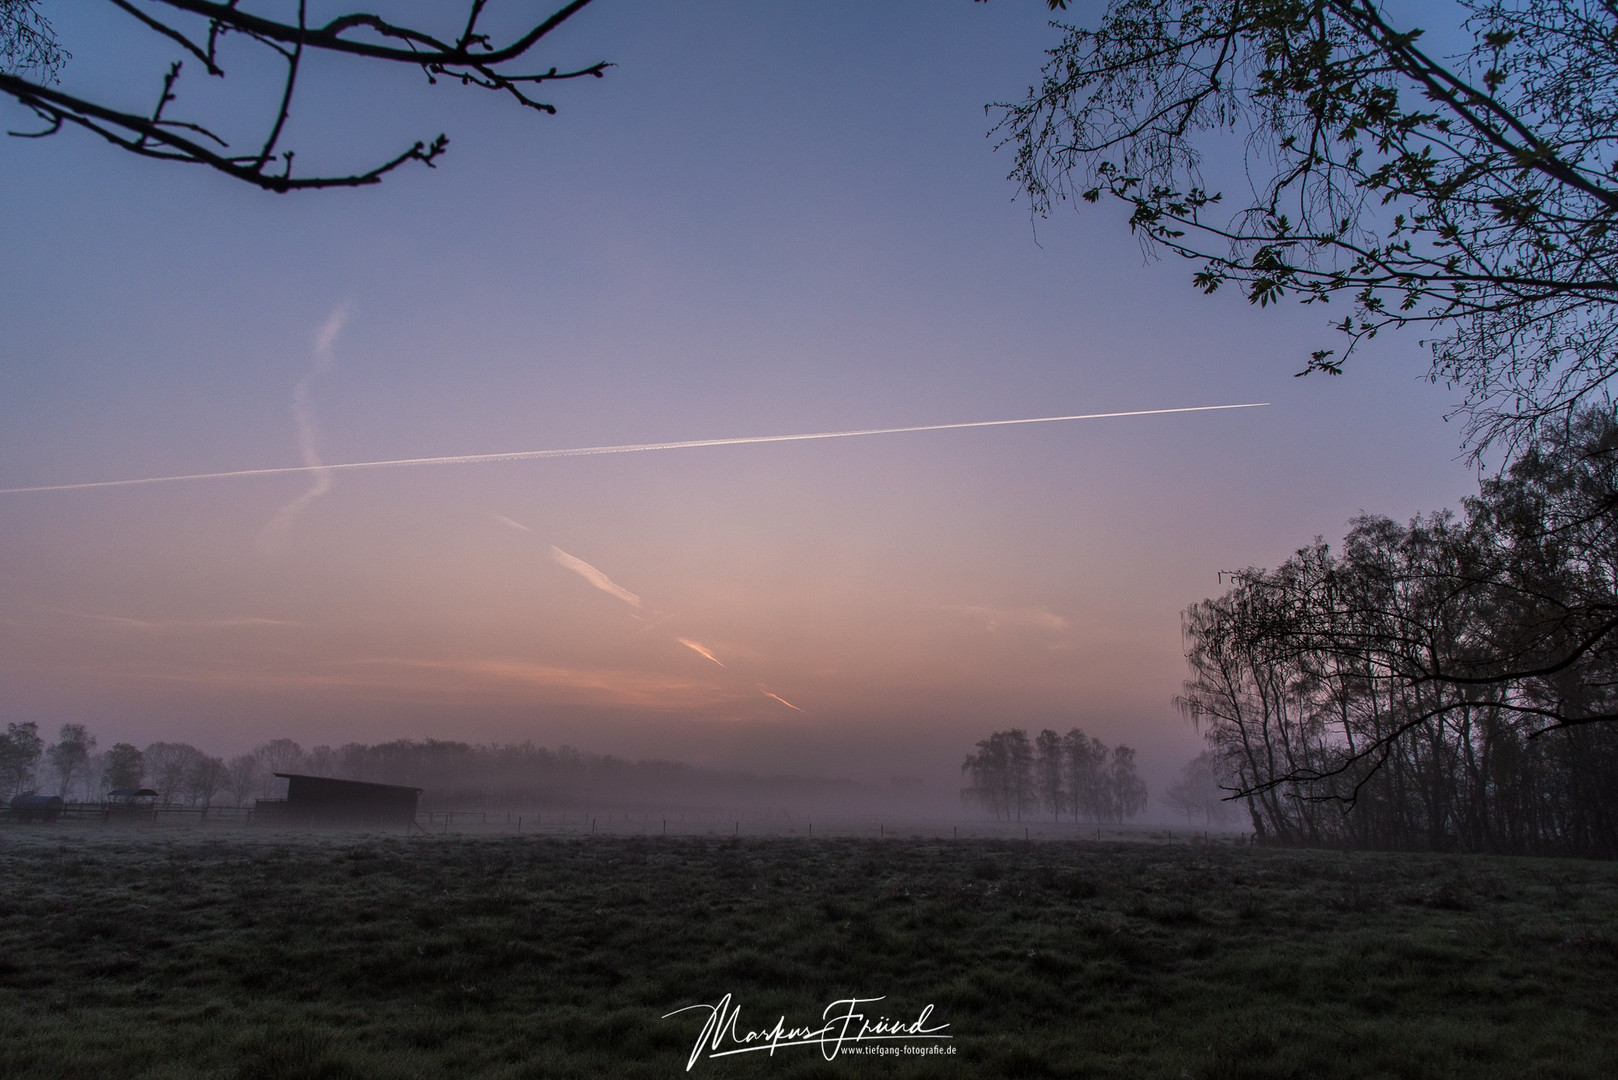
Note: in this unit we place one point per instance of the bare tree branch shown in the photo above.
(1476, 198)
(30, 64)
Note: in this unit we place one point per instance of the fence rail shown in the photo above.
(110, 813)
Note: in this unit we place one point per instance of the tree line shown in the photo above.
(1450, 683)
(1073, 776)
(451, 773)
(180, 773)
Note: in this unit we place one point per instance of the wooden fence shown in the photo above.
(132, 814)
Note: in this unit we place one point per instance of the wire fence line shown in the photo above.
(574, 822)
(584, 823)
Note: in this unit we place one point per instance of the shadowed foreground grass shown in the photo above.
(280, 957)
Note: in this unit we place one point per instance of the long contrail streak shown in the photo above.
(628, 448)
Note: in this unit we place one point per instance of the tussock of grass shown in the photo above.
(261, 955)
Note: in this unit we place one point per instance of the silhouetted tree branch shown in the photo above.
(1475, 196)
(31, 62)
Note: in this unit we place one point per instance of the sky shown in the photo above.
(768, 218)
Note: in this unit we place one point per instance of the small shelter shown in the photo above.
(326, 800)
(130, 804)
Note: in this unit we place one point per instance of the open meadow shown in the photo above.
(233, 953)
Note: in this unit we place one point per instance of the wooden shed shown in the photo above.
(31, 807)
(326, 800)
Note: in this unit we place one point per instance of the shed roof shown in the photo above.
(358, 786)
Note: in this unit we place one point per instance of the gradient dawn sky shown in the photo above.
(769, 218)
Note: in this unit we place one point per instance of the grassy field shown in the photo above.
(195, 953)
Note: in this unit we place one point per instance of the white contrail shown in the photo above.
(781, 699)
(594, 576)
(303, 420)
(700, 649)
(629, 448)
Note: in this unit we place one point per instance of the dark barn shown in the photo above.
(325, 800)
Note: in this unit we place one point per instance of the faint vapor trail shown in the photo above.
(593, 576)
(519, 526)
(700, 649)
(601, 581)
(303, 418)
(628, 448)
